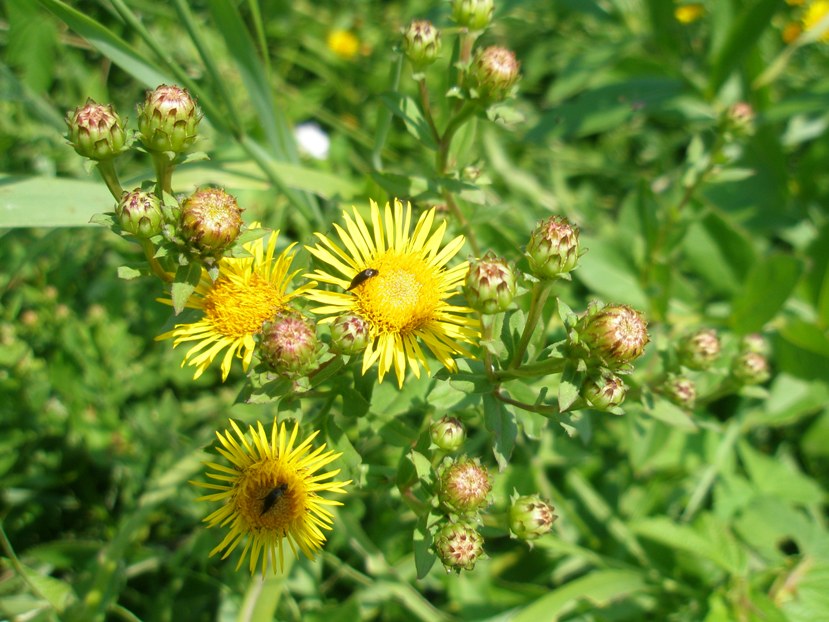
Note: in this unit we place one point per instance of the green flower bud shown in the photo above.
(681, 391)
(699, 350)
(448, 433)
(603, 390)
(421, 43)
(490, 284)
(472, 14)
(738, 121)
(168, 119)
(139, 213)
(531, 517)
(751, 368)
(464, 485)
(754, 342)
(96, 131)
(288, 343)
(615, 334)
(459, 546)
(553, 249)
(349, 335)
(494, 73)
(211, 220)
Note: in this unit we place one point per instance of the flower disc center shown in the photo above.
(236, 308)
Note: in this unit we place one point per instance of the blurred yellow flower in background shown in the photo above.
(815, 13)
(343, 43)
(688, 13)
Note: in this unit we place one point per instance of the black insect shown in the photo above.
(272, 497)
(362, 277)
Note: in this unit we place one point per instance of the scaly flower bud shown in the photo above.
(490, 284)
(459, 546)
(754, 342)
(751, 368)
(472, 14)
(139, 213)
(531, 517)
(288, 343)
(699, 350)
(464, 485)
(494, 72)
(603, 390)
(615, 334)
(421, 43)
(168, 119)
(96, 131)
(553, 249)
(681, 391)
(448, 433)
(211, 220)
(349, 335)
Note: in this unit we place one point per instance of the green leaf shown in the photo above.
(668, 413)
(768, 286)
(500, 421)
(599, 588)
(187, 278)
(424, 554)
(116, 49)
(719, 252)
(50, 201)
(606, 271)
(409, 111)
(569, 387)
(742, 38)
(56, 592)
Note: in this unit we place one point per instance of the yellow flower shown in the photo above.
(404, 301)
(270, 493)
(688, 13)
(343, 43)
(248, 291)
(815, 13)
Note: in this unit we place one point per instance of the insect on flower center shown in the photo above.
(236, 308)
(261, 507)
(402, 297)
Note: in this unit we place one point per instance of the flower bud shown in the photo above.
(531, 517)
(699, 350)
(553, 249)
(96, 131)
(493, 73)
(448, 433)
(211, 220)
(464, 485)
(754, 342)
(681, 391)
(349, 335)
(168, 119)
(751, 368)
(615, 334)
(288, 343)
(738, 121)
(490, 284)
(139, 213)
(472, 14)
(459, 546)
(603, 390)
(421, 43)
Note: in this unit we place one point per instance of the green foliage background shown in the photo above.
(718, 516)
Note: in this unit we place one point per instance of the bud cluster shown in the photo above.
(288, 343)
(553, 249)
(421, 42)
(615, 335)
(490, 284)
(211, 220)
(167, 120)
(96, 131)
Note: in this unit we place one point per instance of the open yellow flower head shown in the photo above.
(249, 291)
(270, 494)
(689, 13)
(397, 280)
(814, 15)
(343, 43)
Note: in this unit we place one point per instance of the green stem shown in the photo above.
(541, 409)
(486, 337)
(149, 253)
(110, 176)
(462, 222)
(541, 290)
(427, 108)
(453, 126)
(540, 368)
(163, 174)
